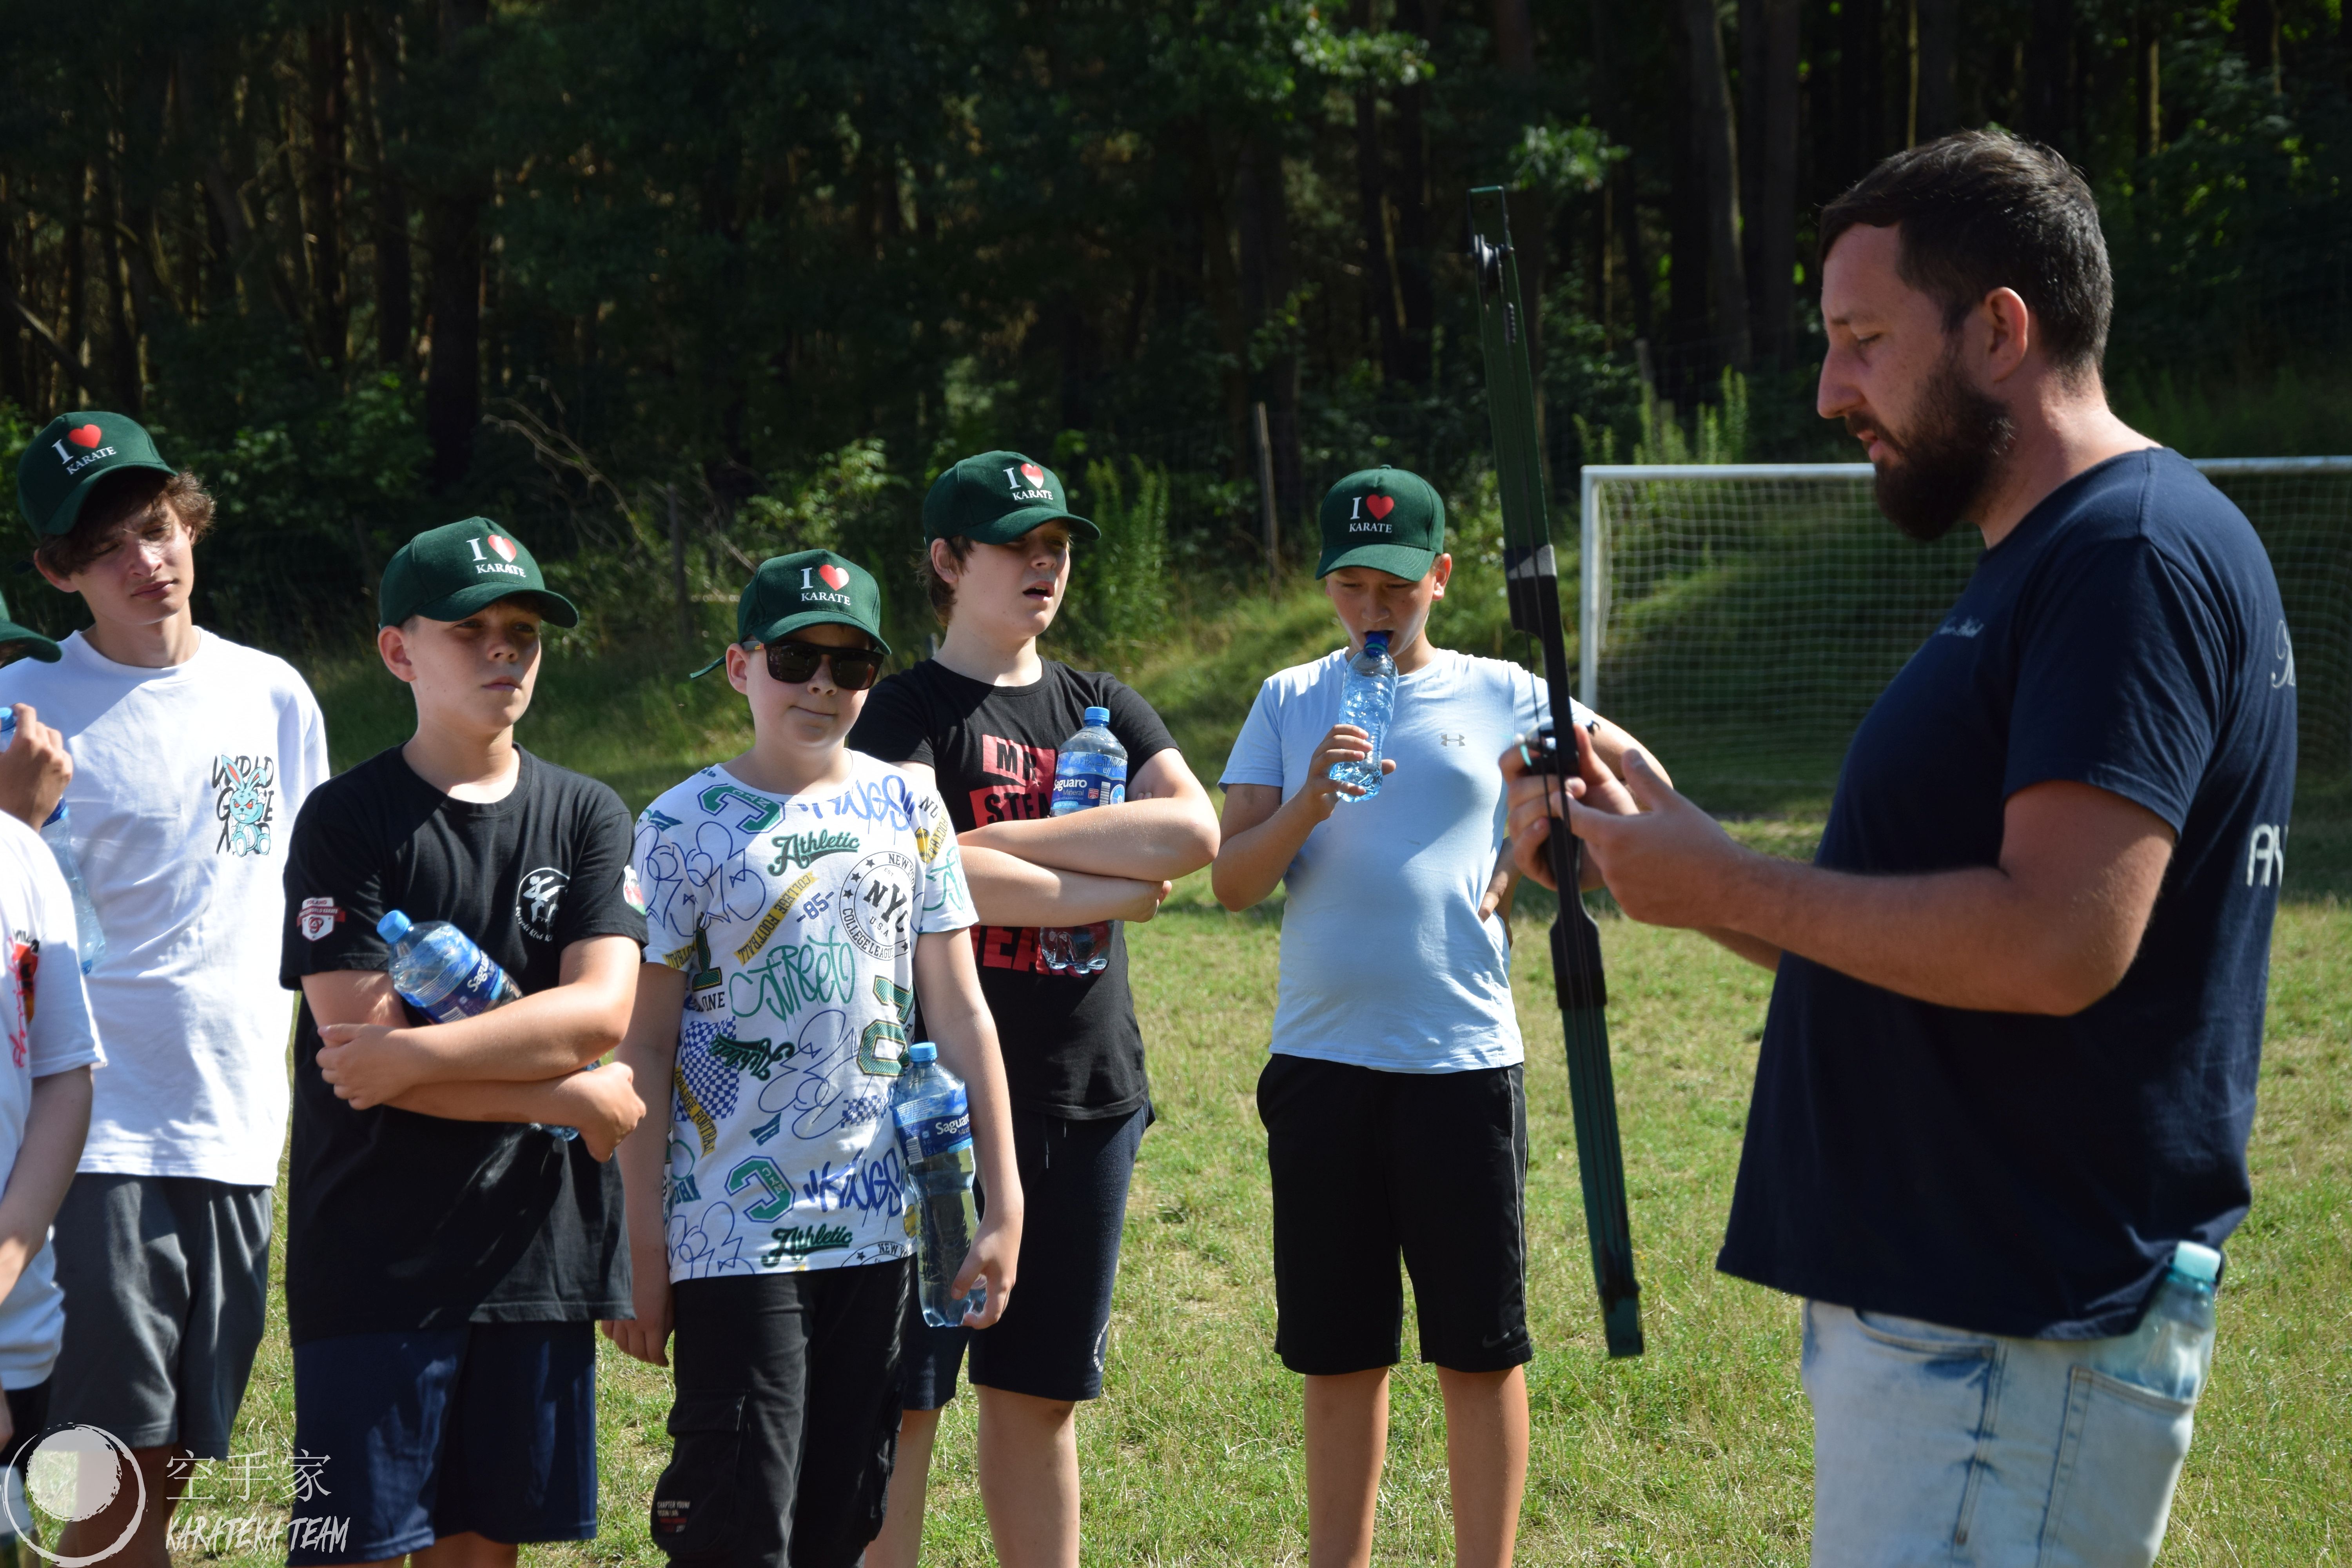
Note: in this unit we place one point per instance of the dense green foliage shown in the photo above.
(589, 266)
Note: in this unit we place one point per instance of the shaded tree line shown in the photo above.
(369, 264)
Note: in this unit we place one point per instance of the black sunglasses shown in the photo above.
(853, 669)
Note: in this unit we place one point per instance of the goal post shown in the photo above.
(1742, 617)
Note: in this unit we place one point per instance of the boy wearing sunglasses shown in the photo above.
(802, 897)
(984, 719)
(446, 1259)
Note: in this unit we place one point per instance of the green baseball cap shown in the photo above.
(446, 574)
(69, 457)
(996, 497)
(1382, 517)
(20, 642)
(788, 592)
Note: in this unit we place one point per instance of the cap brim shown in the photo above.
(68, 511)
(457, 606)
(34, 644)
(1396, 560)
(789, 624)
(1013, 524)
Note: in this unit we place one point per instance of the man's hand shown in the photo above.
(33, 770)
(1536, 798)
(370, 1064)
(1319, 796)
(609, 1107)
(994, 1251)
(646, 1336)
(1668, 864)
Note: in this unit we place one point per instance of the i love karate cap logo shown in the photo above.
(69, 457)
(447, 574)
(788, 592)
(1385, 518)
(997, 496)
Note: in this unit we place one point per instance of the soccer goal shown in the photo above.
(1741, 618)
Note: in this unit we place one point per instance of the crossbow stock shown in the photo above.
(1531, 577)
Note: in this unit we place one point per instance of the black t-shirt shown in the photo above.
(1071, 1044)
(2029, 1175)
(401, 1221)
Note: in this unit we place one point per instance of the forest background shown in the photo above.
(668, 285)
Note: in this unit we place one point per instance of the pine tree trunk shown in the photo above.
(323, 169)
(1937, 107)
(1714, 162)
(453, 234)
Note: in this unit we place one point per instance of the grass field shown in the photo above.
(1699, 1452)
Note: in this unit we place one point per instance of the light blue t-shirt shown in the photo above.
(1385, 963)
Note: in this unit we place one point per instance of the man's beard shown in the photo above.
(1943, 466)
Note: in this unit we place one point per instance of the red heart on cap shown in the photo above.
(834, 577)
(503, 546)
(1378, 506)
(1032, 473)
(85, 436)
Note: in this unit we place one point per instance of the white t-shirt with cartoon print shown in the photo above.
(186, 783)
(44, 1013)
(795, 919)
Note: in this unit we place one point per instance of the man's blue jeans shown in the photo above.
(1937, 1446)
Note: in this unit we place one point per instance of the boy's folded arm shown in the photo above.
(56, 1122)
(1261, 839)
(1167, 829)
(1008, 890)
(571, 1024)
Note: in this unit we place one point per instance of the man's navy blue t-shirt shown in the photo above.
(2029, 1175)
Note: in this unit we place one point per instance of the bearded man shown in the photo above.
(2010, 1061)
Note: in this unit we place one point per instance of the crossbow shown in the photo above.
(1531, 577)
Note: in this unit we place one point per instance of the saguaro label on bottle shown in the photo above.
(1088, 779)
(934, 1125)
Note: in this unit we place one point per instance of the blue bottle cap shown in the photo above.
(1097, 716)
(1380, 637)
(393, 926)
(922, 1051)
(2198, 1261)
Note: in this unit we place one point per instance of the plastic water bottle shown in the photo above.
(1367, 700)
(2172, 1351)
(1091, 770)
(933, 1118)
(57, 832)
(443, 974)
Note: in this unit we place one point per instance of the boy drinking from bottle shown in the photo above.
(803, 898)
(984, 719)
(445, 1260)
(1395, 1116)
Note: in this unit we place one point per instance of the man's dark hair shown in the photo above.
(1978, 211)
(140, 496)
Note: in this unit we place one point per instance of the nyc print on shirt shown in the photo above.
(795, 921)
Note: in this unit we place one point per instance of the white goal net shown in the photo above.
(1742, 618)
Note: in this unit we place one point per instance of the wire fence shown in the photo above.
(1742, 618)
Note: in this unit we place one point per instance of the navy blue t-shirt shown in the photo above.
(2027, 1175)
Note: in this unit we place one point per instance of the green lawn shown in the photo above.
(1697, 1453)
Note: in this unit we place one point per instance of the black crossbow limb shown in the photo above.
(1532, 578)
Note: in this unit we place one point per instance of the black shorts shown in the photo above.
(1368, 1165)
(786, 1420)
(1051, 1340)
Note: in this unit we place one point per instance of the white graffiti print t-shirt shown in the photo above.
(794, 921)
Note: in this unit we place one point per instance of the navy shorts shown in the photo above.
(1370, 1168)
(428, 1432)
(1051, 1340)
